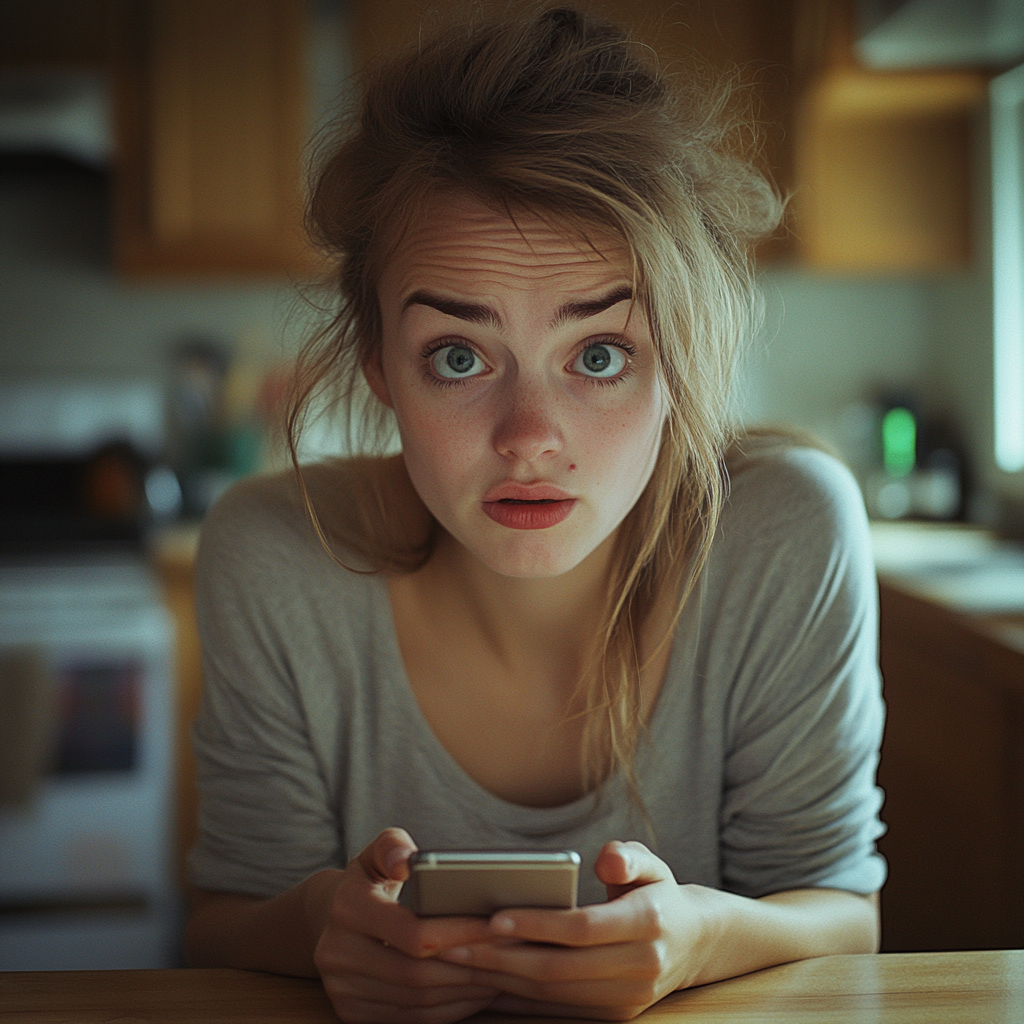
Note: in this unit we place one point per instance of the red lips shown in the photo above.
(528, 506)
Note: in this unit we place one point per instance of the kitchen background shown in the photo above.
(153, 285)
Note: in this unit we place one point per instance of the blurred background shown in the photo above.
(154, 289)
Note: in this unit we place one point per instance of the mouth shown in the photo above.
(529, 513)
(511, 492)
(528, 501)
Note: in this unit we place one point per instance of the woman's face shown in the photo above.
(524, 386)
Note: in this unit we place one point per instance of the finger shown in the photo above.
(367, 910)
(635, 916)
(425, 937)
(625, 866)
(559, 964)
(363, 957)
(386, 858)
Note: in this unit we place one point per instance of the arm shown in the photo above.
(278, 935)
(654, 936)
(377, 960)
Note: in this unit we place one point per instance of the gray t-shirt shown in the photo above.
(759, 773)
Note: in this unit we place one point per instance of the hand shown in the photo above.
(610, 960)
(378, 960)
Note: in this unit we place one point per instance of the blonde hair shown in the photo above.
(557, 112)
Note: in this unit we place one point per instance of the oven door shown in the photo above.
(86, 877)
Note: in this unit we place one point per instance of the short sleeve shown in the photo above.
(265, 816)
(805, 715)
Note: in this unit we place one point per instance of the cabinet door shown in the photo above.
(884, 164)
(211, 119)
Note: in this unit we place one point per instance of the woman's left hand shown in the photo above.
(609, 960)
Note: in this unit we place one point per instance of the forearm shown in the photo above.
(277, 935)
(743, 935)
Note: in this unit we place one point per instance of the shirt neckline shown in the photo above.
(459, 783)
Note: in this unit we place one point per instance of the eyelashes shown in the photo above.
(608, 358)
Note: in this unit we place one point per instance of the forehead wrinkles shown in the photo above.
(453, 240)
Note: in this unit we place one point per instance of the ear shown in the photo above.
(373, 371)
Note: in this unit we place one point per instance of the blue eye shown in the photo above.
(455, 361)
(600, 361)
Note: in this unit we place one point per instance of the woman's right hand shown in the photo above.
(378, 960)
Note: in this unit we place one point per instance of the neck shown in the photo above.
(525, 618)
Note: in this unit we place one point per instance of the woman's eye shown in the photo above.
(600, 361)
(455, 361)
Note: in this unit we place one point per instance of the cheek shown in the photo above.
(440, 446)
(619, 446)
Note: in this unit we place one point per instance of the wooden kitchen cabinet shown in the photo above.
(883, 161)
(884, 170)
(211, 116)
(952, 769)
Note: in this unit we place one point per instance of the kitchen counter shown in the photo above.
(962, 569)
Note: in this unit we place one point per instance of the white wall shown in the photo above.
(829, 342)
(62, 310)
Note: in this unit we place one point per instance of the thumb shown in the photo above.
(623, 867)
(386, 859)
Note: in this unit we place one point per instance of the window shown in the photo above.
(1007, 93)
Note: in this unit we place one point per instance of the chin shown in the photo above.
(533, 558)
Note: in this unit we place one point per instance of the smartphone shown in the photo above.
(479, 882)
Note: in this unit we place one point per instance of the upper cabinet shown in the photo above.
(883, 160)
(212, 115)
(212, 111)
(884, 171)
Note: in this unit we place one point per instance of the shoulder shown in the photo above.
(793, 536)
(794, 495)
(263, 526)
(789, 482)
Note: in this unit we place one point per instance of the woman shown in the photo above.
(554, 620)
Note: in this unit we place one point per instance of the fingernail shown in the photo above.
(393, 858)
(456, 953)
(503, 925)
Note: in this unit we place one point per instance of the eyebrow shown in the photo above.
(479, 313)
(582, 310)
(474, 312)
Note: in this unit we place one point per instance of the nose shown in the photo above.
(528, 425)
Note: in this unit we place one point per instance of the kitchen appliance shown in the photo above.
(86, 649)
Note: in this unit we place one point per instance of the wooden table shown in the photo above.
(890, 988)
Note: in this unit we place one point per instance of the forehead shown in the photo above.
(460, 243)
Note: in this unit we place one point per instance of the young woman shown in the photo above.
(575, 612)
